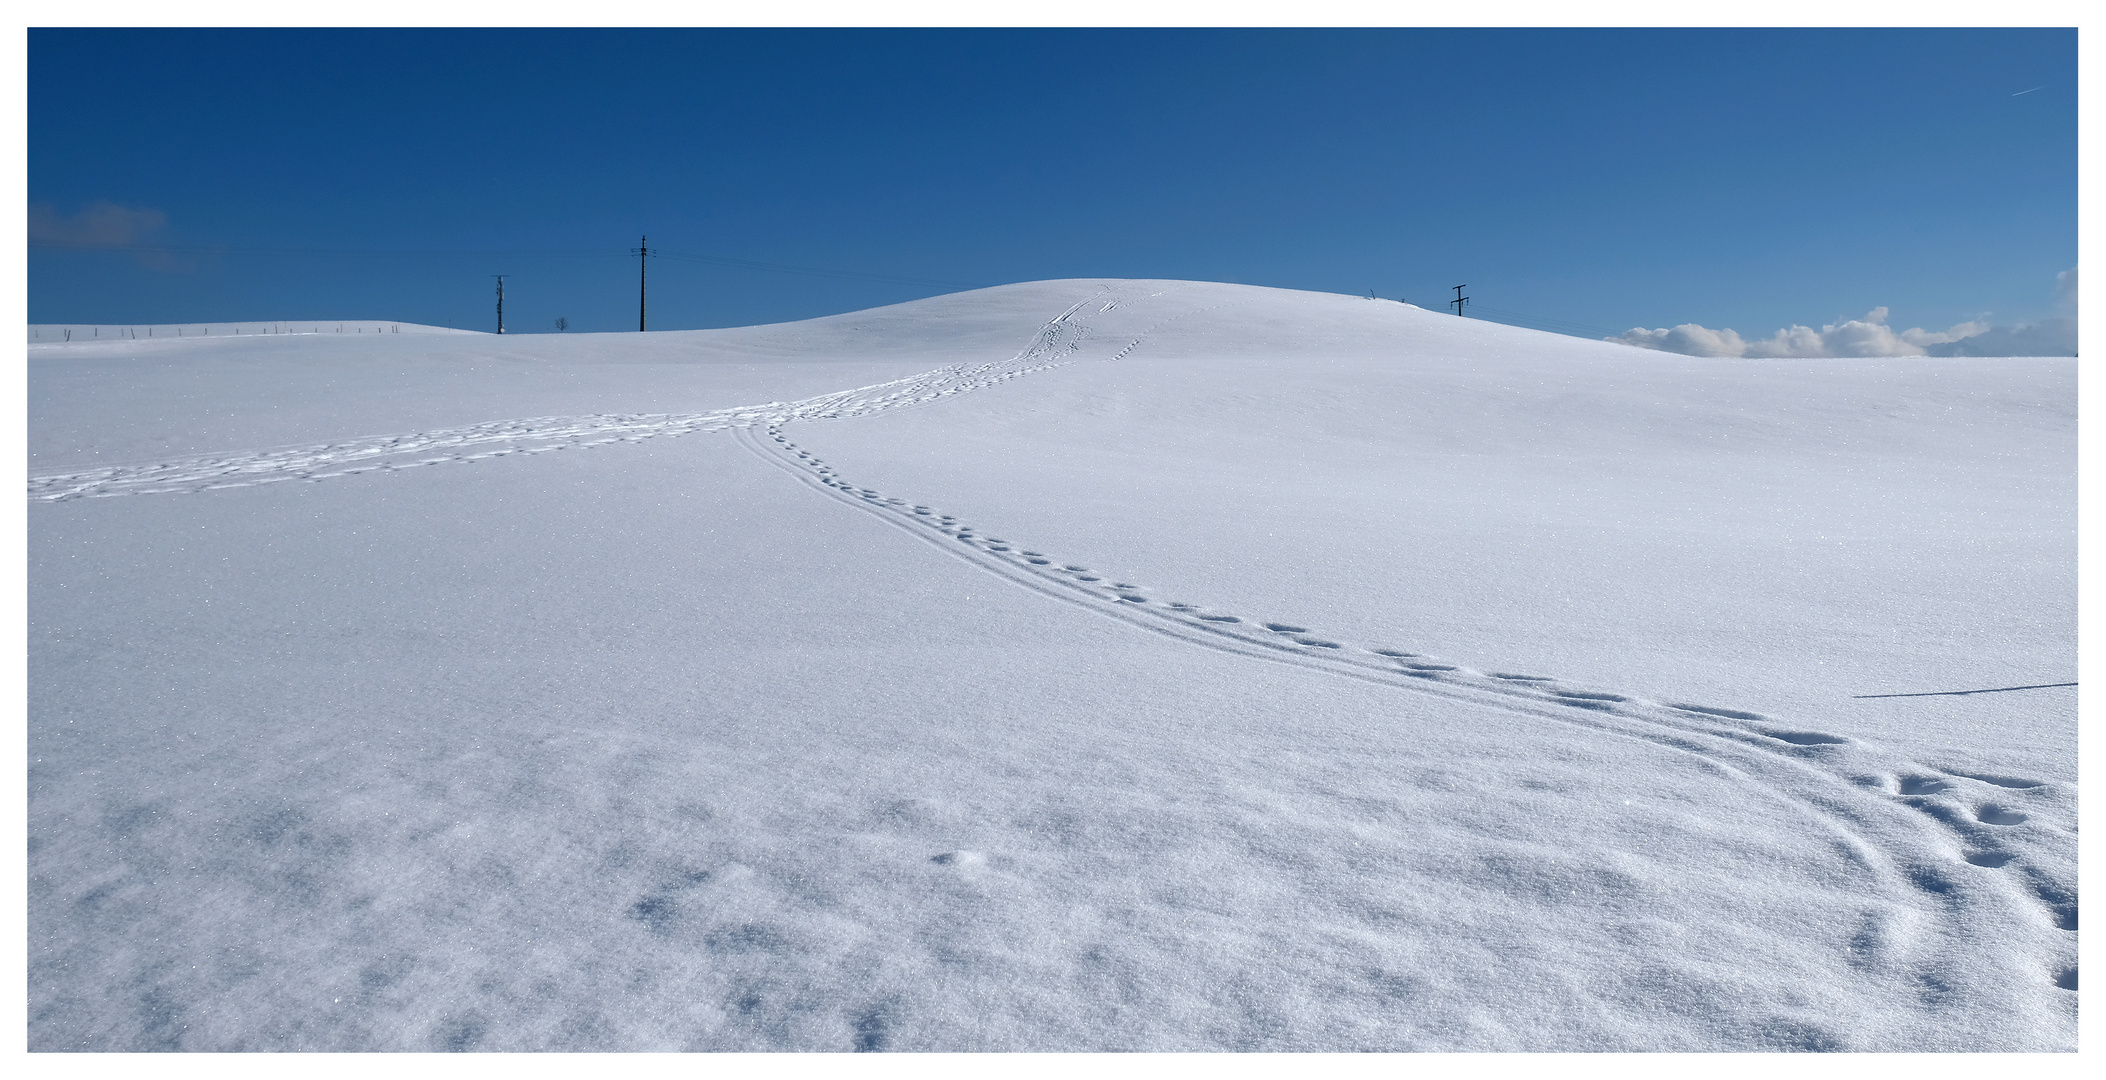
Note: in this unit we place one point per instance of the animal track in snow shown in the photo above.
(1057, 344)
(1987, 832)
(1841, 780)
(1806, 738)
(2000, 781)
(1997, 815)
(1730, 714)
(1824, 774)
(2061, 903)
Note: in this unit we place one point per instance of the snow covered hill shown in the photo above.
(86, 334)
(1064, 666)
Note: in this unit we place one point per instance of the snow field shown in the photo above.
(1181, 682)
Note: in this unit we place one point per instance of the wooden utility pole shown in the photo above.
(1460, 299)
(500, 301)
(643, 257)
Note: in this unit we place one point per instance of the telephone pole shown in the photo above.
(500, 301)
(643, 257)
(1460, 299)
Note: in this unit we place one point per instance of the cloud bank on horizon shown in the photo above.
(1871, 336)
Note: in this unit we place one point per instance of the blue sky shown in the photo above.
(1594, 178)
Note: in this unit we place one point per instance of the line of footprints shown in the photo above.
(1914, 788)
(1415, 665)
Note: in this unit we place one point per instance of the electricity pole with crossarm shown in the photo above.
(643, 256)
(1460, 299)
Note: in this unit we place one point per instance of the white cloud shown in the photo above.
(1687, 338)
(1871, 336)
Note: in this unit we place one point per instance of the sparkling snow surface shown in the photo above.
(1077, 665)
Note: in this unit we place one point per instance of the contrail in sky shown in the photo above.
(2022, 93)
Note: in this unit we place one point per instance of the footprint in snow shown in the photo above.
(2061, 902)
(2001, 781)
(1730, 714)
(1806, 738)
(1992, 814)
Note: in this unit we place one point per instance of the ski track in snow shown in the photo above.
(1981, 845)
